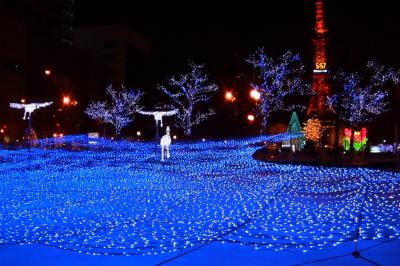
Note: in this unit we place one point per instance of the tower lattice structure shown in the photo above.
(317, 105)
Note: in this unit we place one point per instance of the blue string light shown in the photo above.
(117, 198)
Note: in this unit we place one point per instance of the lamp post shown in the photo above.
(255, 94)
(67, 104)
(229, 97)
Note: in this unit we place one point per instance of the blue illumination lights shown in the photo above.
(117, 198)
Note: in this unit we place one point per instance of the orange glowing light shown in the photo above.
(66, 100)
(47, 72)
(22, 100)
(229, 96)
(255, 94)
(1, 130)
(321, 65)
(250, 118)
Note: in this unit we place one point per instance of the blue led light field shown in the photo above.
(117, 197)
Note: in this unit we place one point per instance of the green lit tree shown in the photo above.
(294, 127)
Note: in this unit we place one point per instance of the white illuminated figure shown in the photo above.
(158, 115)
(29, 107)
(165, 143)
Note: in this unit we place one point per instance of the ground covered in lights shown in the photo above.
(64, 197)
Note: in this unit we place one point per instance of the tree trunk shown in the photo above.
(117, 132)
(264, 124)
(188, 127)
(188, 132)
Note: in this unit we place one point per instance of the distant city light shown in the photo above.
(138, 133)
(22, 100)
(255, 94)
(174, 137)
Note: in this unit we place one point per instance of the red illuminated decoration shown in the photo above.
(359, 139)
(360, 136)
(317, 105)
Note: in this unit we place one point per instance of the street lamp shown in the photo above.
(250, 118)
(229, 96)
(47, 71)
(68, 103)
(66, 100)
(255, 94)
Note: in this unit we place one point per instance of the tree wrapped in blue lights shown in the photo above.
(188, 92)
(363, 97)
(278, 79)
(120, 111)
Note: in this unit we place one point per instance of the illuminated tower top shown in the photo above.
(317, 105)
(319, 17)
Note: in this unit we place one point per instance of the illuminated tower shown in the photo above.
(320, 87)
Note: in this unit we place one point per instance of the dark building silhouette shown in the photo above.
(122, 52)
(38, 36)
(39, 61)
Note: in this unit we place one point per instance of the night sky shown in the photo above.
(213, 33)
(223, 34)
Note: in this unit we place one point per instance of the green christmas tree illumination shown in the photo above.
(294, 124)
(295, 128)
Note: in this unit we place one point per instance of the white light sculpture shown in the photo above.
(165, 143)
(29, 107)
(158, 115)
